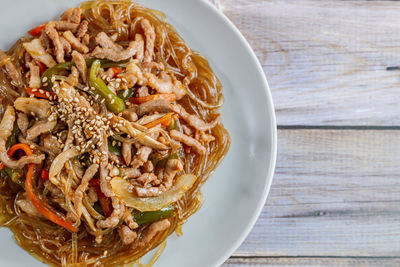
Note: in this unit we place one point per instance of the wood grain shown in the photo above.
(335, 199)
(315, 261)
(335, 193)
(326, 60)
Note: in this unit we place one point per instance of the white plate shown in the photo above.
(237, 191)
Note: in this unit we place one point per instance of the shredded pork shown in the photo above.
(55, 38)
(66, 45)
(111, 54)
(193, 120)
(40, 127)
(116, 215)
(22, 122)
(37, 51)
(26, 206)
(83, 28)
(29, 105)
(189, 141)
(51, 143)
(80, 63)
(158, 105)
(11, 69)
(75, 42)
(127, 235)
(72, 15)
(127, 152)
(89, 174)
(34, 81)
(6, 126)
(166, 177)
(150, 38)
(64, 25)
(130, 172)
(154, 228)
(73, 78)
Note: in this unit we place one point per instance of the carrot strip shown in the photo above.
(105, 202)
(40, 93)
(20, 146)
(45, 211)
(42, 68)
(41, 207)
(116, 71)
(37, 30)
(15, 148)
(140, 100)
(45, 175)
(164, 121)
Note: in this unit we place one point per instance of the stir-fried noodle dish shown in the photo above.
(110, 125)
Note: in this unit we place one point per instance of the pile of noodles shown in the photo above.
(55, 245)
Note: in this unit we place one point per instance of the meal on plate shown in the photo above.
(110, 125)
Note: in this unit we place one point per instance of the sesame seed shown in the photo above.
(45, 84)
(44, 79)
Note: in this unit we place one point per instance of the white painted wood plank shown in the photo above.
(306, 262)
(325, 166)
(326, 60)
(335, 193)
(336, 229)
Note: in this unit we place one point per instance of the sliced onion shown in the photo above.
(60, 160)
(123, 189)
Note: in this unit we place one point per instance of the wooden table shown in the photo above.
(335, 199)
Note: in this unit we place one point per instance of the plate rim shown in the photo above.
(274, 142)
